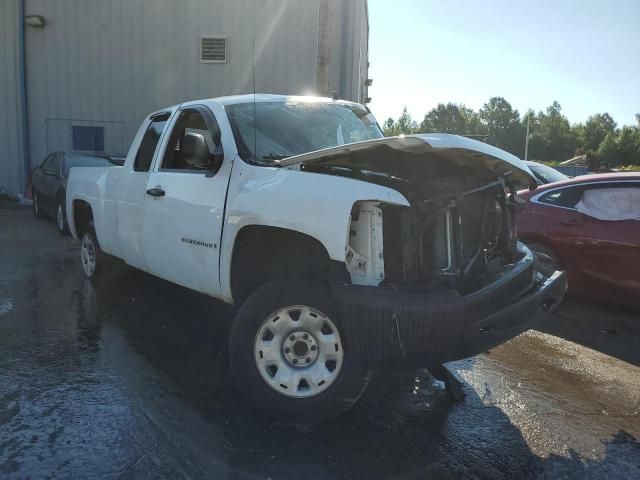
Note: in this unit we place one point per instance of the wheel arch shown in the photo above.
(82, 214)
(534, 241)
(262, 253)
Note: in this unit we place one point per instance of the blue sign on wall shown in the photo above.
(88, 139)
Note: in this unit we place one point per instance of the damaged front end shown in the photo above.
(455, 237)
(444, 277)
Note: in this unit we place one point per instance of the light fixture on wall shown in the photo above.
(37, 21)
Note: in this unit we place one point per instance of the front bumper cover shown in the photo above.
(389, 328)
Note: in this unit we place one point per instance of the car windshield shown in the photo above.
(547, 174)
(270, 131)
(84, 162)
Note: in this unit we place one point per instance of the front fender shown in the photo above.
(313, 204)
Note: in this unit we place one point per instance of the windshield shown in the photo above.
(547, 174)
(270, 131)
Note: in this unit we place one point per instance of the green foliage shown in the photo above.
(594, 131)
(404, 125)
(452, 118)
(503, 125)
(551, 137)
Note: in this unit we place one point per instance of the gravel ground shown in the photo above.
(127, 377)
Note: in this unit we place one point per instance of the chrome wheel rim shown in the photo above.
(60, 217)
(88, 255)
(298, 351)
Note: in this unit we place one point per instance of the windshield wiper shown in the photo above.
(274, 157)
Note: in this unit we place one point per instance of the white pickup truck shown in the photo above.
(344, 251)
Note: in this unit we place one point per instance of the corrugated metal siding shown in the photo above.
(344, 49)
(355, 69)
(110, 62)
(114, 61)
(10, 117)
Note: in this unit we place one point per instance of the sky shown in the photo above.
(583, 53)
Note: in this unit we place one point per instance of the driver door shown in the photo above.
(184, 210)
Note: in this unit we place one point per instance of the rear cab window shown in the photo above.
(149, 143)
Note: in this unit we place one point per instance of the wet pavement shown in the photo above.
(127, 377)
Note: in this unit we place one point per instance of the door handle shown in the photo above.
(156, 192)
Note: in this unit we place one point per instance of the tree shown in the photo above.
(451, 118)
(551, 136)
(554, 135)
(503, 125)
(389, 127)
(628, 146)
(594, 131)
(608, 149)
(405, 123)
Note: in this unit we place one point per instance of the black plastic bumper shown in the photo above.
(390, 328)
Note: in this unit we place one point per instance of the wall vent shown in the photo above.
(213, 49)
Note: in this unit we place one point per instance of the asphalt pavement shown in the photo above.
(126, 377)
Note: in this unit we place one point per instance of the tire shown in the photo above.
(93, 260)
(322, 393)
(37, 211)
(61, 219)
(547, 260)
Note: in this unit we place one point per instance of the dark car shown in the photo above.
(544, 173)
(589, 226)
(49, 182)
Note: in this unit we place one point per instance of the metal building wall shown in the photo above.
(110, 62)
(343, 48)
(355, 69)
(11, 155)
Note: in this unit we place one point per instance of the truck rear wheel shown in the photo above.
(287, 354)
(61, 218)
(94, 260)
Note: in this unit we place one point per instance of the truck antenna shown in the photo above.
(255, 117)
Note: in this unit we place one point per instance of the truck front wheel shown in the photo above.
(287, 354)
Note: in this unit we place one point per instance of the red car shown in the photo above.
(590, 226)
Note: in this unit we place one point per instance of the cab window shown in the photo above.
(149, 143)
(192, 142)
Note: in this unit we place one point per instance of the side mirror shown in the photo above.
(196, 153)
(195, 150)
